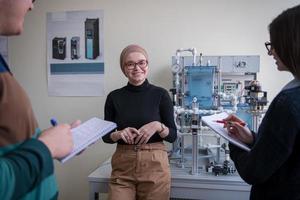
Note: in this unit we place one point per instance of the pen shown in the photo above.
(224, 122)
(53, 122)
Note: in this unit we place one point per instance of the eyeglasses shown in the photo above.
(131, 65)
(268, 47)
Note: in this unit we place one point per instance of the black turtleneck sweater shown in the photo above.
(135, 106)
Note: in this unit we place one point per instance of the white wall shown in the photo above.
(214, 27)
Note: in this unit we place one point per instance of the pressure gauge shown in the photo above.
(176, 68)
(195, 100)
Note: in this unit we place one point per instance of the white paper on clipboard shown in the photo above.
(88, 133)
(210, 121)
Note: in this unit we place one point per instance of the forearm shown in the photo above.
(23, 168)
(271, 149)
(107, 138)
(109, 111)
(115, 136)
(167, 118)
(250, 170)
(171, 136)
(164, 131)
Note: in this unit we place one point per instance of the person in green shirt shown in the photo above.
(26, 152)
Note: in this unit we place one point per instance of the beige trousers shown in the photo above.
(140, 173)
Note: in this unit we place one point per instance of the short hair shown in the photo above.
(285, 38)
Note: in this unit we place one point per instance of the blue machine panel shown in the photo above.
(244, 114)
(200, 84)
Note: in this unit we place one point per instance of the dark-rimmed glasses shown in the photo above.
(141, 63)
(268, 47)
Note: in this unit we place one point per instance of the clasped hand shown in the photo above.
(139, 136)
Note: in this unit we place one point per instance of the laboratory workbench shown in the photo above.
(183, 184)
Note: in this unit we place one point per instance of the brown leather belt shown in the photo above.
(149, 146)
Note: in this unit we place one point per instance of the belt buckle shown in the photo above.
(136, 147)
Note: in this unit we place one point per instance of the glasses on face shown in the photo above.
(268, 47)
(141, 63)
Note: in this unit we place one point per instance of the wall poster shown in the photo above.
(75, 62)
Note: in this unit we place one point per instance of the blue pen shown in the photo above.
(53, 122)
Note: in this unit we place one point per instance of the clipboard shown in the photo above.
(88, 133)
(210, 121)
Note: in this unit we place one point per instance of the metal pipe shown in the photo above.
(182, 152)
(195, 127)
(195, 155)
(255, 121)
(219, 83)
(192, 50)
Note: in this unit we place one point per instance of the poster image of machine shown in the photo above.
(59, 48)
(91, 38)
(75, 53)
(75, 48)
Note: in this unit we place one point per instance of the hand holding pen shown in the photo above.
(58, 139)
(237, 129)
(225, 122)
(74, 124)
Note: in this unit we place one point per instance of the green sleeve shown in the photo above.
(23, 168)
